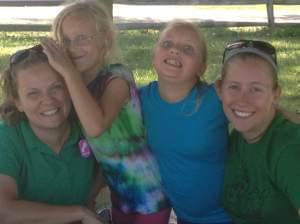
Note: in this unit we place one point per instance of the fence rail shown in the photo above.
(269, 6)
(30, 2)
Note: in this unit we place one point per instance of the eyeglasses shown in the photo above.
(22, 54)
(80, 40)
(256, 46)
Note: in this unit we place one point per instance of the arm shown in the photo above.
(286, 167)
(15, 211)
(98, 185)
(293, 117)
(95, 115)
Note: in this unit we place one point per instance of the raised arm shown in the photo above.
(95, 115)
(16, 211)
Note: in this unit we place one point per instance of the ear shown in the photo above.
(18, 105)
(277, 94)
(203, 68)
(108, 40)
(218, 87)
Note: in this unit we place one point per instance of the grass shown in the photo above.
(137, 46)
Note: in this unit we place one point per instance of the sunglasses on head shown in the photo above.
(258, 45)
(22, 54)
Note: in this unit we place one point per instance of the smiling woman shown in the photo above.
(262, 171)
(42, 175)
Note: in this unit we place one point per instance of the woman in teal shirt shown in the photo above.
(43, 177)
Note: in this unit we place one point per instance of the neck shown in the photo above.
(172, 92)
(91, 74)
(54, 138)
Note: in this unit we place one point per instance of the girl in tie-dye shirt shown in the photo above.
(105, 99)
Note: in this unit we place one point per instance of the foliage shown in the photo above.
(137, 48)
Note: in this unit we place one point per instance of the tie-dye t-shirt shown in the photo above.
(122, 152)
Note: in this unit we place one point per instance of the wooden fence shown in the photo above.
(269, 6)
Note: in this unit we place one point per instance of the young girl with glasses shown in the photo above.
(262, 182)
(105, 98)
(186, 127)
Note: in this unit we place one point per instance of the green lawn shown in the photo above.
(137, 50)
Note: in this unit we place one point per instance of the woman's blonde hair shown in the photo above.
(9, 85)
(182, 24)
(103, 19)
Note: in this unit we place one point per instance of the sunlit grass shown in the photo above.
(137, 48)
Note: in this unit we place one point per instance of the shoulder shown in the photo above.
(147, 90)
(284, 132)
(120, 71)
(212, 93)
(8, 132)
(12, 149)
(281, 141)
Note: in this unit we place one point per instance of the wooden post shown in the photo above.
(270, 12)
(109, 5)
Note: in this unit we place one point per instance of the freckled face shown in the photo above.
(85, 44)
(42, 97)
(177, 57)
(248, 95)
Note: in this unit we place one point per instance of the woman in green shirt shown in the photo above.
(43, 177)
(262, 176)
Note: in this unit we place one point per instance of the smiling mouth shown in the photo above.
(50, 112)
(76, 58)
(173, 63)
(242, 114)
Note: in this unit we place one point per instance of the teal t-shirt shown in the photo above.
(42, 175)
(262, 179)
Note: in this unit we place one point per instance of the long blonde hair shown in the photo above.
(103, 19)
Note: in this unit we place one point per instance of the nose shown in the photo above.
(244, 96)
(47, 98)
(175, 50)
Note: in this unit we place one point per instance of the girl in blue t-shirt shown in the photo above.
(186, 127)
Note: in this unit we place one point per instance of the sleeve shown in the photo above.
(10, 163)
(121, 71)
(287, 173)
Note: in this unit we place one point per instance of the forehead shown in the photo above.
(37, 76)
(78, 23)
(249, 69)
(180, 32)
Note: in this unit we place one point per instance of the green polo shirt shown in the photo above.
(262, 179)
(42, 175)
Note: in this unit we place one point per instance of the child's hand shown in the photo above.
(58, 58)
(90, 218)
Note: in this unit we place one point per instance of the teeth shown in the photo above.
(50, 112)
(173, 62)
(242, 114)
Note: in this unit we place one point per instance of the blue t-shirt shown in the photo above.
(189, 139)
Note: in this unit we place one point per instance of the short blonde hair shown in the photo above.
(99, 13)
(179, 24)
